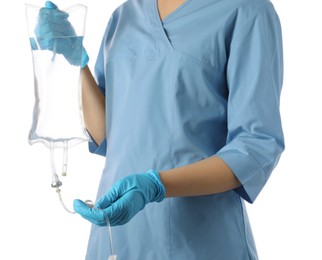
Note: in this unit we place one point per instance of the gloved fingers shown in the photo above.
(50, 5)
(52, 24)
(120, 212)
(106, 200)
(130, 195)
(53, 31)
(94, 215)
(51, 15)
(62, 29)
(54, 21)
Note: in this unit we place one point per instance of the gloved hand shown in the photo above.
(124, 200)
(55, 33)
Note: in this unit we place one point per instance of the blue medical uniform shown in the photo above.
(205, 81)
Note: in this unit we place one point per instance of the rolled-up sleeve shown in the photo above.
(254, 75)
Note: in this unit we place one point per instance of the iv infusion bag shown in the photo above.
(57, 116)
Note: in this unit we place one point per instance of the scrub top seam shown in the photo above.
(239, 32)
(200, 62)
(175, 84)
(170, 233)
(244, 227)
(159, 24)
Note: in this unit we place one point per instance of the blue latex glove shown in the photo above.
(124, 200)
(55, 33)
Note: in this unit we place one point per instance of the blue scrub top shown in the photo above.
(205, 81)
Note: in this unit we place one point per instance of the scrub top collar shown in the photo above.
(173, 13)
(157, 23)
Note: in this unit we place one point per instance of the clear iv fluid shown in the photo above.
(57, 116)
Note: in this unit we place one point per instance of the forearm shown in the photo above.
(209, 176)
(93, 106)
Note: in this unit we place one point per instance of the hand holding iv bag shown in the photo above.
(55, 32)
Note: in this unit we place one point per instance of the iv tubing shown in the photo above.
(91, 204)
(52, 159)
(112, 255)
(62, 202)
(56, 183)
(110, 234)
(65, 158)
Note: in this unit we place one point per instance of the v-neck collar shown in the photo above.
(157, 23)
(173, 12)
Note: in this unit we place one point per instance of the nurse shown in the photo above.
(184, 104)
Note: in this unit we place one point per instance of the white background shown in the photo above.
(286, 218)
